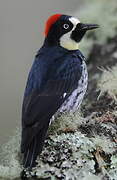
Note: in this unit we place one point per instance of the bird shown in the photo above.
(57, 82)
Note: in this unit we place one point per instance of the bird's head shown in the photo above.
(66, 31)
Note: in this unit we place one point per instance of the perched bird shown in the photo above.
(56, 83)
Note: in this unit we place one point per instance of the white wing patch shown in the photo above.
(64, 95)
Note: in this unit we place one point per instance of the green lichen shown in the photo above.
(108, 82)
(66, 122)
(9, 158)
(77, 148)
(67, 155)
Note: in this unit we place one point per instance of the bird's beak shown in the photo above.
(81, 29)
(88, 26)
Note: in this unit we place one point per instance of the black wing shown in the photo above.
(42, 103)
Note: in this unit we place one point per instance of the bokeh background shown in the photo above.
(89, 149)
(21, 35)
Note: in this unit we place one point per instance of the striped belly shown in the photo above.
(75, 99)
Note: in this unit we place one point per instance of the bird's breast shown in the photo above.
(75, 99)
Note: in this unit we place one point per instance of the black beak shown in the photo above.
(88, 26)
(81, 29)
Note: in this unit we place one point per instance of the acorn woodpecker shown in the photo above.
(56, 83)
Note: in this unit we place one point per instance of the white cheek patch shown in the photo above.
(66, 41)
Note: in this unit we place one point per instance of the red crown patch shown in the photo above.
(51, 20)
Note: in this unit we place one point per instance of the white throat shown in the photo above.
(66, 41)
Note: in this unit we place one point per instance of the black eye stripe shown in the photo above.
(66, 25)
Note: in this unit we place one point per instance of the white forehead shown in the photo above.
(74, 20)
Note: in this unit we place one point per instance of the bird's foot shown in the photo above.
(28, 174)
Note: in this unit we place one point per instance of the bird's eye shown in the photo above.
(65, 26)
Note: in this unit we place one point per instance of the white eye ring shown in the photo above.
(65, 26)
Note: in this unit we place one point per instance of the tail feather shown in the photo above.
(34, 149)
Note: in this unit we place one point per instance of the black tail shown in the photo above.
(34, 149)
